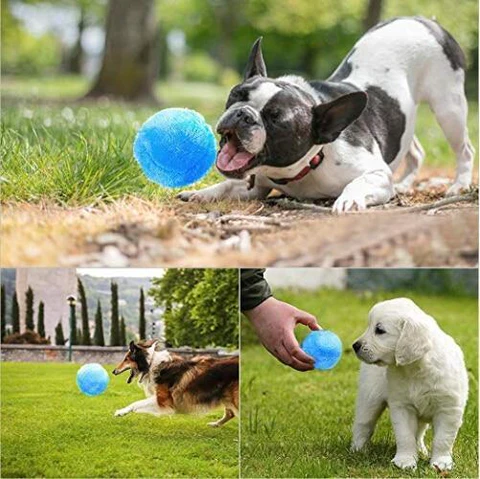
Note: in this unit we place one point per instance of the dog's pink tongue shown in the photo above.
(229, 159)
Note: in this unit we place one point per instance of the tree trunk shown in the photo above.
(130, 60)
(115, 326)
(74, 61)
(142, 326)
(3, 303)
(372, 14)
(228, 15)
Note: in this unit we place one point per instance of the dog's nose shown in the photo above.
(114, 371)
(236, 119)
(356, 346)
(245, 116)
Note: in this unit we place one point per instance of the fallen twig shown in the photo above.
(295, 205)
(249, 218)
(441, 203)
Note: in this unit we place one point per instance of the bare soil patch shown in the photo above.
(134, 232)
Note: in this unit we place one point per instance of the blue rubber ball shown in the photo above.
(175, 147)
(92, 379)
(325, 347)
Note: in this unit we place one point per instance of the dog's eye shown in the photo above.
(274, 114)
(379, 330)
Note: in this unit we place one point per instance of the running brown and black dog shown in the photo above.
(174, 384)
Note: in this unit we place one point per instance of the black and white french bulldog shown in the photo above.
(343, 138)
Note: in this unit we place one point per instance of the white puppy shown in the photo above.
(424, 381)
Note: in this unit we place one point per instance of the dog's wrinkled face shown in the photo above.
(276, 122)
(136, 360)
(397, 333)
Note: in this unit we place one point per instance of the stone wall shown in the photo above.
(84, 354)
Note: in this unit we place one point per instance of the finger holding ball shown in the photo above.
(175, 147)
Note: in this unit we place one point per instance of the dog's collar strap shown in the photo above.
(314, 163)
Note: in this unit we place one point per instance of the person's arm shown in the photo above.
(275, 321)
(254, 288)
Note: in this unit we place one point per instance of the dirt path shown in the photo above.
(133, 232)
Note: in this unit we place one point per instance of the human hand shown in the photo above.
(274, 322)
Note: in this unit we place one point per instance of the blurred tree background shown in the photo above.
(122, 47)
(201, 306)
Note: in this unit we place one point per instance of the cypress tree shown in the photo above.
(123, 332)
(98, 338)
(41, 319)
(115, 326)
(72, 325)
(3, 316)
(85, 336)
(15, 314)
(29, 322)
(59, 336)
(142, 322)
(79, 336)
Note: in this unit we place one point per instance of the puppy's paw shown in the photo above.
(456, 189)
(442, 463)
(405, 462)
(357, 446)
(348, 202)
(122, 412)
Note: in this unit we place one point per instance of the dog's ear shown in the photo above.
(414, 341)
(330, 119)
(148, 343)
(131, 347)
(255, 64)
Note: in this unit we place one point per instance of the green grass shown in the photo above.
(49, 429)
(56, 149)
(299, 424)
(80, 154)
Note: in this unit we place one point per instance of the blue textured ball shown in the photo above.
(92, 379)
(175, 147)
(325, 347)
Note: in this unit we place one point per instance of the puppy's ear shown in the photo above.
(255, 64)
(414, 341)
(330, 119)
(131, 347)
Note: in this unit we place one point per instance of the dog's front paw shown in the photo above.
(214, 424)
(442, 463)
(405, 462)
(403, 187)
(357, 446)
(191, 196)
(348, 202)
(122, 412)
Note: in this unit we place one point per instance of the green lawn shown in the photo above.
(57, 149)
(49, 429)
(299, 424)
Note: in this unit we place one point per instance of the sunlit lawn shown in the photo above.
(299, 424)
(49, 429)
(57, 149)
